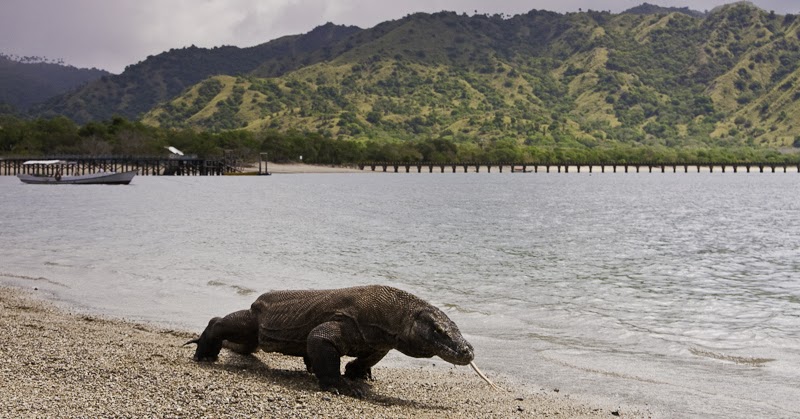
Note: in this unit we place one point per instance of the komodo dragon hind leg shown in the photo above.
(309, 367)
(325, 346)
(238, 332)
(361, 367)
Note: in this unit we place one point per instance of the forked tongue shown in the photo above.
(483, 377)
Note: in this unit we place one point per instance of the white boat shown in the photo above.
(58, 178)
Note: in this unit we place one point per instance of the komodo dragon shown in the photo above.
(364, 322)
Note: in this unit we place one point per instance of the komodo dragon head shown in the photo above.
(432, 333)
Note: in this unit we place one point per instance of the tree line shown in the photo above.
(121, 137)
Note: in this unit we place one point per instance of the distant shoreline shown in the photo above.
(291, 168)
(287, 168)
(61, 364)
(300, 168)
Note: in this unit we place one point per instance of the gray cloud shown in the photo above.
(112, 34)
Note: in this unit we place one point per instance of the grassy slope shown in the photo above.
(541, 78)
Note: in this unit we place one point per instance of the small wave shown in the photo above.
(460, 309)
(740, 360)
(604, 372)
(715, 251)
(48, 263)
(242, 290)
(32, 278)
(239, 290)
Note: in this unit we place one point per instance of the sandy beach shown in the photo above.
(62, 364)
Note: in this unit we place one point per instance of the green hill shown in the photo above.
(650, 9)
(653, 76)
(158, 78)
(26, 82)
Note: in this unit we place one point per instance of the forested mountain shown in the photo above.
(649, 76)
(158, 78)
(651, 9)
(25, 81)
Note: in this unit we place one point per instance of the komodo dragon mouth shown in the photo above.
(458, 357)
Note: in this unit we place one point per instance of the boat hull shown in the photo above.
(102, 178)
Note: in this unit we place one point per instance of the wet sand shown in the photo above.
(61, 364)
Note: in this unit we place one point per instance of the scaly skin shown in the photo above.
(323, 325)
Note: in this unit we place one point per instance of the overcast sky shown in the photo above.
(111, 34)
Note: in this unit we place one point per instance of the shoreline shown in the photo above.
(63, 364)
(294, 168)
(290, 168)
(534, 169)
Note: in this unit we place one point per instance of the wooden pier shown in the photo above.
(146, 166)
(710, 167)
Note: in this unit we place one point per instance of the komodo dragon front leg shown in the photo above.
(361, 367)
(237, 331)
(325, 346)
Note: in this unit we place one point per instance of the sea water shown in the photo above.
(678, 292)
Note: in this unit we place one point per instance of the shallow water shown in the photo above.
(680, 291)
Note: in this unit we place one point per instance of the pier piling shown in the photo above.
(467, 167)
